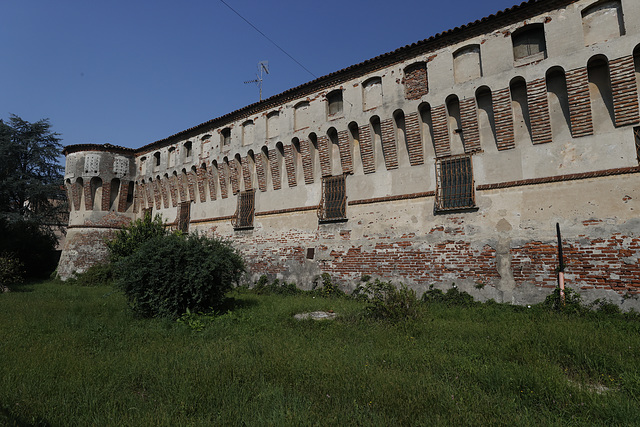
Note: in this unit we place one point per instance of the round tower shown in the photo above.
(99, 180)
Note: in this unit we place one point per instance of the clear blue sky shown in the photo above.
(132, 72)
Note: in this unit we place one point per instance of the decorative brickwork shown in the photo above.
(211, 179)
(275, 168)
(625, 90)
(163, 191)
(503, 115)
(246, 173)
(105, 203)
(414, 140)
(415, 81)
(173, 190)
(470, 130)
(307, 162)
(234, 172)
(323, 155)
(366, 149)
(182, 187)
(88, 197)
(538, 103)
(261, 170)
(579, 102)
(441, 131)
(149, 192)
(290, 165)
(346, 160)
(202, 177)
(222, 177)
(157, 194)
(75, 195)
(389, 145)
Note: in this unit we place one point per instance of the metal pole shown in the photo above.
(560, 265)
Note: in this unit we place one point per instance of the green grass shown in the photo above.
(74, 355)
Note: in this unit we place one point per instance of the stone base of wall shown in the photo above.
(83, 248)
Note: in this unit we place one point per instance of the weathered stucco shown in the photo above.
(550, 136)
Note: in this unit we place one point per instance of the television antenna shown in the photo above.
(263, 67)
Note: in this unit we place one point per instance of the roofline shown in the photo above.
(69, 149)
(481, 26)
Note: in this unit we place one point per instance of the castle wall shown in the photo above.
(546, 129)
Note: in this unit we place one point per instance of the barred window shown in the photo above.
(454, 180)
(333, 206)
(243, 218)
(184, 216)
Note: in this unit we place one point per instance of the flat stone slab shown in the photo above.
(316, 315)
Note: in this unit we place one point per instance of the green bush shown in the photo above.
(31, 244)
(453, 297)
(385, 301)
(263, 287)
(96, 275)
(328, 288)
(132, 236)
(168, 274)
(11, 271)
(572, 301)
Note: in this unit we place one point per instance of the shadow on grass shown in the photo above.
(232, 304)
(9, 419)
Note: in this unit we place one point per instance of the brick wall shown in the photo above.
(503, 116)
(538, 103)
(579, 102)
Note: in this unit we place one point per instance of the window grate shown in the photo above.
(243, 218)
(636, 133)
(454, 180)
(184, 216)
(333, 206)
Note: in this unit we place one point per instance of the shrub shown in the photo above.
(168, 274)
(385, 301)
(11, 271)
(96, 275)
(32, 245)
(572, 301)
(263, 287)
(453, 297)
(132, 236)
(328, 289)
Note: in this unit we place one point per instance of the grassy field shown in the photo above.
(74, 355)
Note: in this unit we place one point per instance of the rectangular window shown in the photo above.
(454, 183)
(243, 217)
(184, 216)
(333, 206)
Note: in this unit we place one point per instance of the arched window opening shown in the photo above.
(273, 125)
(247, 132)
(601, 94)
(96, 193)
(334, 103)
(486, 120)
(188, 151)
(376, 139)
(426, 129)
(156, 160)
(354, 146)
(455, 125)
(114, 194)
(297, 160)
(520, 109)
(401, 138)
(558, 104)
(334, 152)
(225, 138)
(314, 162)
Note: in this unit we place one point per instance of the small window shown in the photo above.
(333, 206)
(156, 157)
(467, 64)
(454, 183)
(529, 43)
(247, 132)
(188, 150)
(243, 218)
(301, 115)
(171, 159)
(372, 93)
(272, 124)
(184, 216)
(225, 135)
(334, 101)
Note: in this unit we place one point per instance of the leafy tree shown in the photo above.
(30, 173)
